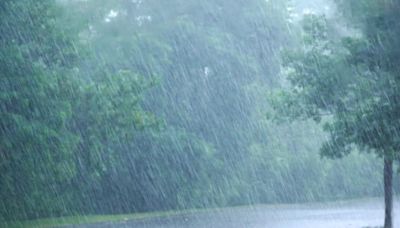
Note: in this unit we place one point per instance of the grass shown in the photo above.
(75, 220)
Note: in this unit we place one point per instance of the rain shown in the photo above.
(200, 113)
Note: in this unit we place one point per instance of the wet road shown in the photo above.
(352, 214)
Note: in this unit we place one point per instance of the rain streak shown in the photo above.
(200, 113)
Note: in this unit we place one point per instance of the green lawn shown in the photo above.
(54, 222)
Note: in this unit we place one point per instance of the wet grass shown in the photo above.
(89, 219)
(75, 220)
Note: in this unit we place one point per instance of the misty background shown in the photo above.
(125, 106)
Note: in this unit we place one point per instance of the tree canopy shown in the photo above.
(349, 80)
(120, 106)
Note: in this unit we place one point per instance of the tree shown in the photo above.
(205, 54)
(122, 106)
(351, 85)
(36, 80)
(62, 125)
(377, 54)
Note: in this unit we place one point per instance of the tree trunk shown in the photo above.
(388, 181)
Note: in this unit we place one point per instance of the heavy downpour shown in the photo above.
(200, 113)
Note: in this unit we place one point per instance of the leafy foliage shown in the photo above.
(131, 106)
(355, 82)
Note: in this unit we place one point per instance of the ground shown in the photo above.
(349, 214)
(366, 213)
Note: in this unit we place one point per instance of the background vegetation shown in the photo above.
(124, 106)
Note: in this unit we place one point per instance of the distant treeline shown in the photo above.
(118, 106)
